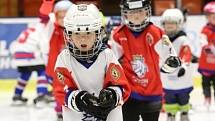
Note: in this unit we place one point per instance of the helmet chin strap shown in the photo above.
(137, 28)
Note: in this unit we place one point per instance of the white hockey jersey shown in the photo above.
(101, 74)
(31, 47)
(172, 81)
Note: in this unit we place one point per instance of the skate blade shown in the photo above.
(51, 104)
(40, 105)
(19, 103)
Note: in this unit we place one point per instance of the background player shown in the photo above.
(177, 85)
(140, 46)
(207, 58)
(54, 34)
(28, 56)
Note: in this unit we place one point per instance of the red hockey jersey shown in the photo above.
(207, 59)
(56, 45)
(140, 57)
(209, 31)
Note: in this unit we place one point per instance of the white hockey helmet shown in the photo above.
(83, 18)
(62, 5)
(175, 16)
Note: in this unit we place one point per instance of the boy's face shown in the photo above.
(136, 16)
(84, 41)
(170, 26)
(60, 16)
(211, 18)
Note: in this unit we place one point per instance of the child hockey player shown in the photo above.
(207, 58)
(140, 45)
(96, 86)
(28, 57)
(56, 40)
(177, 85)
(54, 33)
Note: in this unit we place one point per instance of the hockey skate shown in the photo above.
(51, 97)
(42, 100)
(18, 100)
(59, 117)
(184, 117)
(170, 117)
(207, 102)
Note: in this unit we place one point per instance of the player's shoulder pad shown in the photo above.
(153, 33)
(183, 37)
(118, 28)
(184, 40)
(108, 50)
(116, 31)
(64, 53)
(155, 28)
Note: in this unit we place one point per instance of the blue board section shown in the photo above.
(8, 33)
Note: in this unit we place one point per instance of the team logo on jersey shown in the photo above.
(82, 7)
(139, 66)
(60, 77)
(149, 38)
(115, 74)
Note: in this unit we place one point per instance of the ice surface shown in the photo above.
(29, 113)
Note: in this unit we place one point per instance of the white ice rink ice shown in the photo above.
(30, 113)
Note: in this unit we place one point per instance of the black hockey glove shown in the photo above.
(194, 59)
(85, 100)
(89, 104)
(171, 64)
(107, 100)
(181, 72)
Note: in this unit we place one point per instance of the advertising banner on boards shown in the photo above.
(12, 27)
